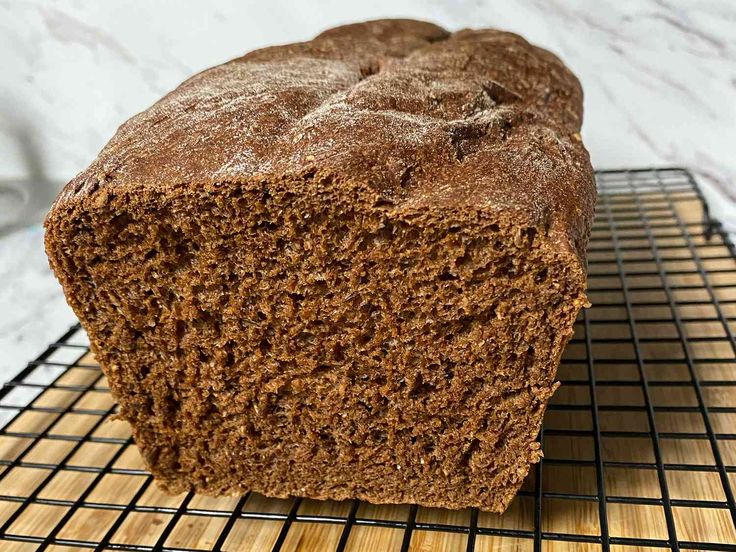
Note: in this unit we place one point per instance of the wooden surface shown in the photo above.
(631, 471)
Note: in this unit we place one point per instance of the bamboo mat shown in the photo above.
(640, 440)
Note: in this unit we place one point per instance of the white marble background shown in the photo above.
(659, 80)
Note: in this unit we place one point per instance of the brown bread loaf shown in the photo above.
(344, 268)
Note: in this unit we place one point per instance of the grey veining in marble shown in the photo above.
(659, 80)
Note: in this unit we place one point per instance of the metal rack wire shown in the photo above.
(640, 442)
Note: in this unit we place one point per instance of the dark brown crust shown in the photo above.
(474, 119)
(466, 144)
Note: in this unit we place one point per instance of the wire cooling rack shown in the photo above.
(639, 441)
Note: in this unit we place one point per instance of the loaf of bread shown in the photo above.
(344, 268)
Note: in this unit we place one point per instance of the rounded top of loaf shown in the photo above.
(475, 120)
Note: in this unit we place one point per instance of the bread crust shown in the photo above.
(473, 119)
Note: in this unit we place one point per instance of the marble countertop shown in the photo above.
(659, 80)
